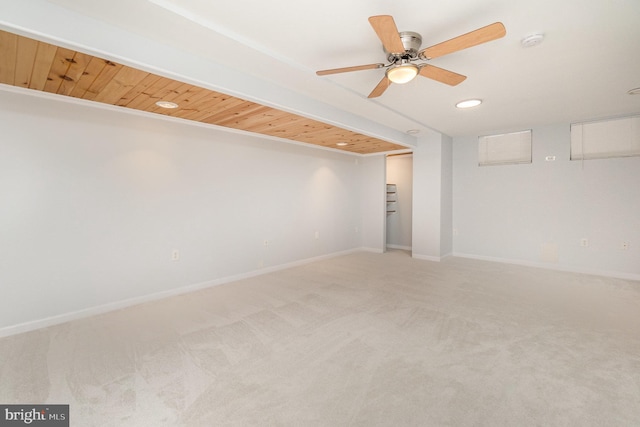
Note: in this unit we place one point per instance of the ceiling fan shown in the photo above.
(402, 49)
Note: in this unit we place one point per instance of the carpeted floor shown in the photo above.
(360, 340)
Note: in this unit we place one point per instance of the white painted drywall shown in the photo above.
(538, 213)
(93, 201)
(427, 197)
(446, 197)
(400, 173)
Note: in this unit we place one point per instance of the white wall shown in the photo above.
(538, 213)
(431, 178)
(446, 197)
(93, 201)
(400, 172)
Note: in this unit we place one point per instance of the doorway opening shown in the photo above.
(399, 201)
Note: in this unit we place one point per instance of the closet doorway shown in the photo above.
(399, 201)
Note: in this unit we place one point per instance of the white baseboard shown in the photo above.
(427, 257)
(404, 248)
(603, 273)
(119, 305)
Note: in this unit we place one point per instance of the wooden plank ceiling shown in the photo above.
(36, 65)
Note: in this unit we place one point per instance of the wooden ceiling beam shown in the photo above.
(37, 65)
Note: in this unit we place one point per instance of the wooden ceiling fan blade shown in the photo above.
(441, 75)
(382, 86)
(349, 69)
(385, 28)
(474, 38)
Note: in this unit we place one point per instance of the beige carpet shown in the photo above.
(360, 340)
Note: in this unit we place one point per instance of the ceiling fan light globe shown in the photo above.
(402, 73)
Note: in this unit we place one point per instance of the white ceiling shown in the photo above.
(582, 71)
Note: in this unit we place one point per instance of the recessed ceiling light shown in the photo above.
(342, 144)
(413, 131)
(166, 104)
(469, 103)
(635, 91)
(532, 40)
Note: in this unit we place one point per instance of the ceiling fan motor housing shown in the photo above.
(411, 42)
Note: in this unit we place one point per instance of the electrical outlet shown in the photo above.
(584, 242)
(175, 255)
